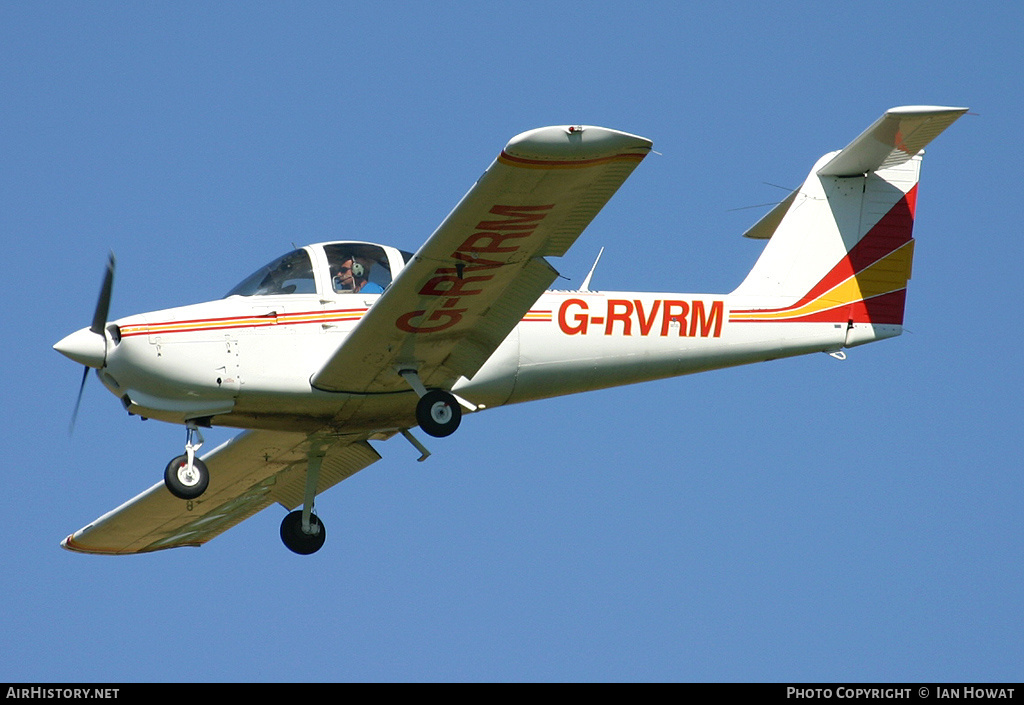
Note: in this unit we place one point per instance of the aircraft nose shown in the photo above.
(84, 346)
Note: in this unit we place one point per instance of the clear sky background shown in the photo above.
(800, 520)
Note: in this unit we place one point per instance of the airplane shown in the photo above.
(336, 345)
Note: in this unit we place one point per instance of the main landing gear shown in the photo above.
(438, 412)
(302, 531)
(186, 477)
(303, 541)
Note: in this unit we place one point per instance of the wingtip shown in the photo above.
(69, 544)
(575, 142)
(908, 110)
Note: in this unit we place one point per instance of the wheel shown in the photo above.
(184, 484)
(297, 540)
(438, 414)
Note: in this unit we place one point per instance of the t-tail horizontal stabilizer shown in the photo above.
(895, 138)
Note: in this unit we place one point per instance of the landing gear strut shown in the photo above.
(186, 477)
(302, 531)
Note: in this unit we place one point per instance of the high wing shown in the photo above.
(247, 474)
(477, 276)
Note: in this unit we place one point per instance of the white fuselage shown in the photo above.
(246, 361)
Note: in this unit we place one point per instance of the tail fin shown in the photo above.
(840, 247)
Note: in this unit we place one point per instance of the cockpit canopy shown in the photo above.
(289, 274)
(327, 269)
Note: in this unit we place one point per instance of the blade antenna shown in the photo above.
(586, 282)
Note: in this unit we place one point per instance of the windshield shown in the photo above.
(290, 274)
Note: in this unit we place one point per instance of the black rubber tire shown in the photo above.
(438, 414)
(179, 487)
(296, 540)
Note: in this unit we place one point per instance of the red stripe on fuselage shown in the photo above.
(195, 325)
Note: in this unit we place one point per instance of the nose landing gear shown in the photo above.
(187, 477)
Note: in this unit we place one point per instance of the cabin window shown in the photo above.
(357, 267)
(290, 274)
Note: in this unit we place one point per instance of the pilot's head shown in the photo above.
(351, 274)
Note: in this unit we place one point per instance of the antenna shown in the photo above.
(586, 282)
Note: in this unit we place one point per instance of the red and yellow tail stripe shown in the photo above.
(869, 285)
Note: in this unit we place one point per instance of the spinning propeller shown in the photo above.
(88, 346)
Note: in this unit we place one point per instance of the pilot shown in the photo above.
(354, 275)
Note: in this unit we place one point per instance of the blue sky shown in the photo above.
(802, 520)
